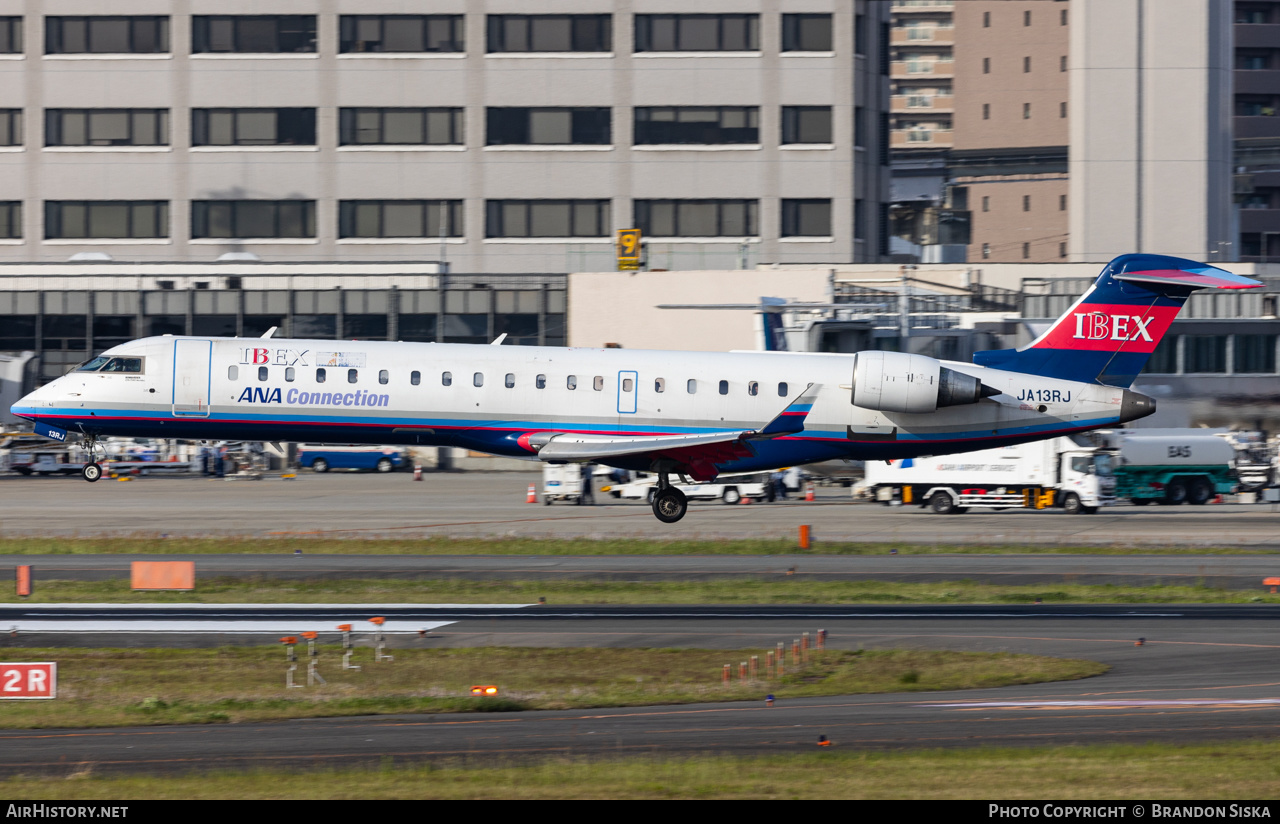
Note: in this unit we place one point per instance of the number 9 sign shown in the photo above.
(628, 248)
(29, 680)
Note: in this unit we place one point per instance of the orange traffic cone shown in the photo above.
(808, 492)
(417, 472)
(532, 497)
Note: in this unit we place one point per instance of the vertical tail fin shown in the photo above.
(1108, 335)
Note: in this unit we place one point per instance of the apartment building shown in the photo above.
(921, 41)
(1009, 155)
(469, 132)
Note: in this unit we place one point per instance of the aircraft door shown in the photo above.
(627, 382)
(192, 377)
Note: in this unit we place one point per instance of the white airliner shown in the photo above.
(696, 414)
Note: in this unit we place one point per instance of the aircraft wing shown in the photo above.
(697, 456)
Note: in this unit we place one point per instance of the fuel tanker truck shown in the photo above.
(1171, 468)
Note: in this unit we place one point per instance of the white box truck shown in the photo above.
(1050, 473)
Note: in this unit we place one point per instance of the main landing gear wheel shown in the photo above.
(91, 472)
(670, 505)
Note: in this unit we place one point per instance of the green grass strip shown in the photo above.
(151, 544)
(128, 687)
(1220, 772)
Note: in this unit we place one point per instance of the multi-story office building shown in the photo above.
(484, 133)
(1010, 152)
(1257, 127)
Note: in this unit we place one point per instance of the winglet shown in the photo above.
(791, 420)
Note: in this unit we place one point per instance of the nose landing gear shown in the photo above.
(92, 471)
(669, 503)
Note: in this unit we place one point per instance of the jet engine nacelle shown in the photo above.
(898, 382)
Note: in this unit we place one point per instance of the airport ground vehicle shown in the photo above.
(1173, 467)
(730, 489)
(48, 460)
(1040, 474)
(323, 457)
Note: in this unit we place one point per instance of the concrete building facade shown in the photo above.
(481, 133)
(1257, 127)
(1151, 148)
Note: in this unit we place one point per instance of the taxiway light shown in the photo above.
(343, 627)
(289, 639)
(378, 621)
(484, 690)
(310, 636)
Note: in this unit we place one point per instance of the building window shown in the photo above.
(400, 127)
(806, 124)
(1026, 203)
(253, 218)
(1026, 18)
(806, 32)
(106, 35)
(708, 125)
(986, 203)
(106, 127)
(1026, 111)
(986, 251)
(1062, 17)
(550, 33)
(10, 127)
(859, 34)
(986, 111)
(1062, 109)
(697, 218)
(253, 33)
(75, 219)
(400, 33)
(1062, 63)
(1254, 354)
(1062, 249)
(253, 127)
(806, 218)
(399, 218)
(986, 19)
(547, 127)
(986, 65)
(1062, 203)
(10, 219)
(1026, 65)
(10, 35)
(1026, 251)
(547, 218)
(1205, 353)
(697, 32)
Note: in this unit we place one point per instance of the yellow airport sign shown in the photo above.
(628, 249)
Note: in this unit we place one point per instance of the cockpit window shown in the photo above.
(93, 365)
(105, 364)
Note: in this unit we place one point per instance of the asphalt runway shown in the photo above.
(1225, 571)
(352, 505)
(1197, 678)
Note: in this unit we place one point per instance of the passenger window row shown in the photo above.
(509, 381)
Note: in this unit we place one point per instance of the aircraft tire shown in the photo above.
(670, 505)
(91, 472)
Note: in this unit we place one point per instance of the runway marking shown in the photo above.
(1118, 703)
